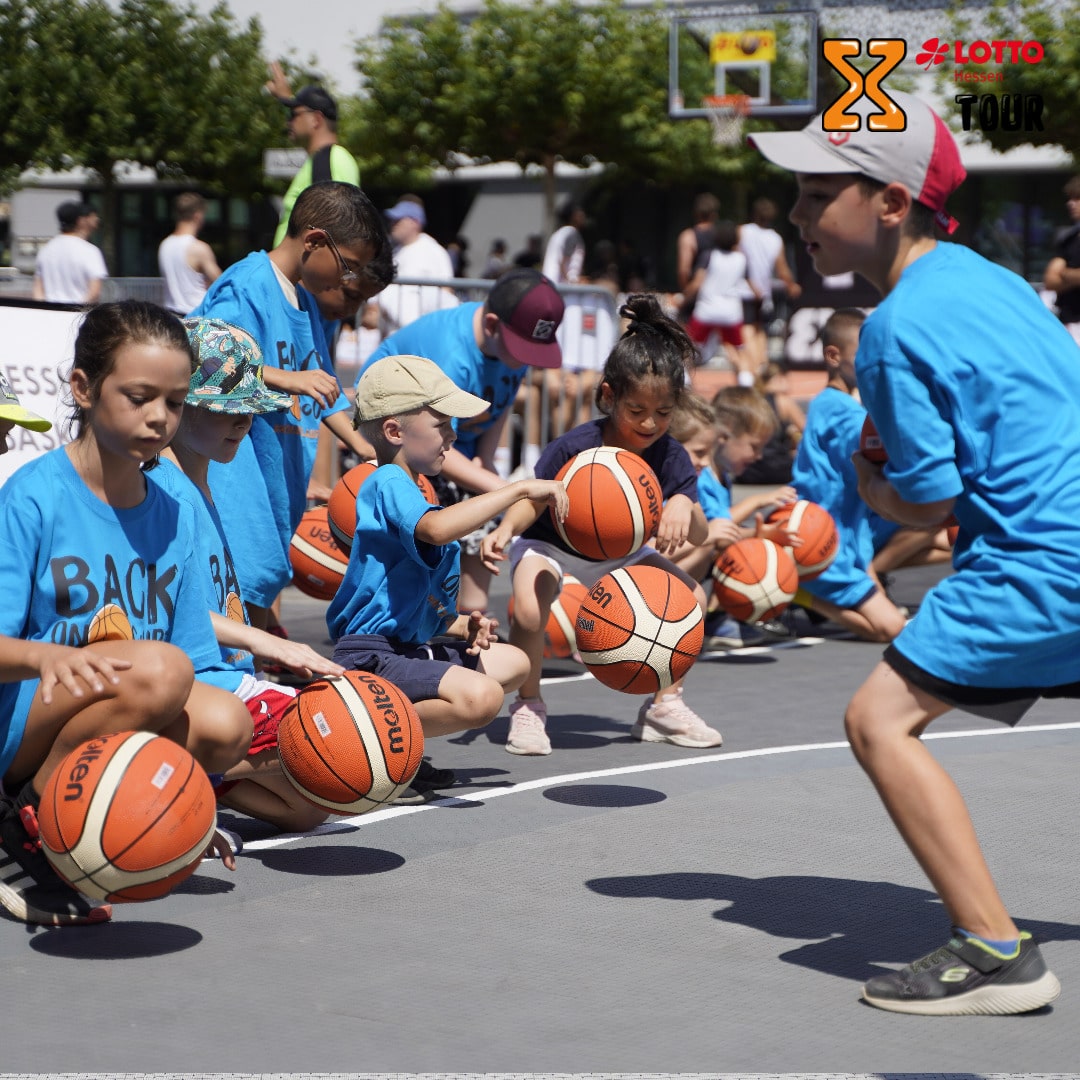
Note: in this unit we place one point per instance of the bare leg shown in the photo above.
(876, 619)
(884, 721)
(536, 586)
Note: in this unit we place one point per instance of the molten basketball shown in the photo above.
(127, 817)
(639, 629)
(560, 642)
(318, 562)
(615, 503)
(870, 444)
(350, 744)
(755, 579)
(341, 508)
(817, 529)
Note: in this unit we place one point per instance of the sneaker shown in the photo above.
(415, 795)
(721, 633)
(428, 776)
(672, 721)
(775, 630)
(30, 889)
(965, 977)
(527, 722)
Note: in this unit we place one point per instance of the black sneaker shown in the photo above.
(30, 889)
(428, 776)
(965, 978)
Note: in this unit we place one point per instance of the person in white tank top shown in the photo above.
(187, 263)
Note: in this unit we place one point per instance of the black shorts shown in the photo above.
(416, 670)
(1007, 704)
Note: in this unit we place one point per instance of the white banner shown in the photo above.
(36, 349)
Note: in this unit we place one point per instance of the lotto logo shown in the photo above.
(838, 53)
(936, 52)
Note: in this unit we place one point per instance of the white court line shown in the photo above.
(352, 824)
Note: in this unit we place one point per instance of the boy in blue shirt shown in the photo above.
(849, 590)
(320, 271)
(485, 348)
(400, 588)
(960, 368)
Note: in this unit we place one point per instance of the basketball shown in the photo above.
(560, 642)
(350, 744)
(817, 529)
(341, 508)
(639, 629)
(127, 817)
(318, 562)
(755, 579)
(110, 623)
(870, 444)
(952, 529)
(615, 503)
(749, 43)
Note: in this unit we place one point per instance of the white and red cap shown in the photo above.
(923, 156)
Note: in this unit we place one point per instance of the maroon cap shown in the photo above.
(530, 310)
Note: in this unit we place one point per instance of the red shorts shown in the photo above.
(699, 332)
(266, 711)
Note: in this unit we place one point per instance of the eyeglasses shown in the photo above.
(348, 275)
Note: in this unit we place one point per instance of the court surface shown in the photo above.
(613, 908)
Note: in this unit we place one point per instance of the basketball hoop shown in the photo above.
(727, 114)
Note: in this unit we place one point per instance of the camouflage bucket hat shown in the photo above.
(228, 377)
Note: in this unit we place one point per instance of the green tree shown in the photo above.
(1056, 79)
(534, 84)
(152, 83)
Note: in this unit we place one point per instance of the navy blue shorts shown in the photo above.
(1006, 704)
(416, 670)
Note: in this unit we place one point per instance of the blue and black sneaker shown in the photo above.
(968, 978)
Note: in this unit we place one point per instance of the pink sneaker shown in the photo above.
(672, 721)
(527, 734)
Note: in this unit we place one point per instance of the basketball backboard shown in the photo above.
(757, 51)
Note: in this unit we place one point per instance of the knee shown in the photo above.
(481, 703)
(158, 682)
(219, 729)
(530, 615)
(858, 728)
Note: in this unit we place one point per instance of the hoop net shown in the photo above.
(727, 114)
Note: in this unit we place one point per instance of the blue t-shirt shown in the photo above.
(714, 496)
(448, 338)
(395, 585)
(823, 473)
(974, 388)
(666, 457)
(70, 557)
(265, 486)
(220, 583)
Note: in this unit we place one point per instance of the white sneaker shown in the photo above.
(672, 721)
(527, 734)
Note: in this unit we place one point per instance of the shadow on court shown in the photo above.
(860, 924)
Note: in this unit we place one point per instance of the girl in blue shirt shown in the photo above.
(100, 559)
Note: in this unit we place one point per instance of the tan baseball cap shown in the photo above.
(396, 385)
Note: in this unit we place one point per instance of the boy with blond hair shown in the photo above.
(972, 425)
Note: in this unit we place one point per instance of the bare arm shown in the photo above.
(203, 261)
(93, 291)
(37, 290)
(340, 424)
(783, 272)
(1059, 277)
(686, 252)
(468, 475)
(883, 498)
(454, 522)
(295, 655)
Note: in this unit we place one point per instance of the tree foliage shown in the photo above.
(536, 84)
(1053, 23)
(152, 83)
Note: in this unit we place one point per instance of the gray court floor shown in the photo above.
(615, 908)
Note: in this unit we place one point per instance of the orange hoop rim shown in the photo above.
(736, 103)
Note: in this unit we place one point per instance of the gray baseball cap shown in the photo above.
(923, 156)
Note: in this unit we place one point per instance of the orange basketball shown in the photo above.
(952, 529)
(817, 529)
(615, 503)
(110, 623)
(341, 509)
(755, 579)
(870, 444)
(639, 629)
(350, 744)
(318, 562)
(127, 817)
(560, 642)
